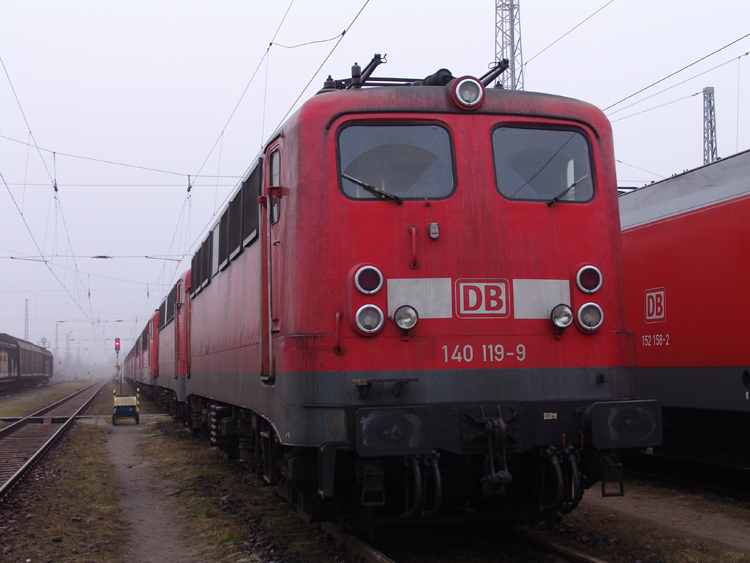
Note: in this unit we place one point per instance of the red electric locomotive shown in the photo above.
(685, 256)
(413, 304)
(141, 363)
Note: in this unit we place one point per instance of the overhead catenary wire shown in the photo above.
(677, 71)
(638, 168)
(55, 195)
(309, 42)
(226, 199)
(340, 37)
(208, 156)
(315, 74)
(127, 185)
(41, 254)
(247, 87)
(58, 207)
(656, 107)
(23, 114)
(678, 84)
(567, 33)
(111, 162)
(170, 257)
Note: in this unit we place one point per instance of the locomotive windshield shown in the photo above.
(409, 161)
(541, 164)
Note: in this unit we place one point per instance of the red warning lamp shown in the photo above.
(117, 344)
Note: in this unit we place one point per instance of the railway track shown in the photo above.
(370, 554)
(23, 443)
(717, 479)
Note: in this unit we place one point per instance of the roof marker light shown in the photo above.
(467, 93)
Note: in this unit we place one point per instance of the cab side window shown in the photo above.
(275, 175)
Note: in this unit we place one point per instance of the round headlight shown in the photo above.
(369, 319)
(562, 316)
(590, 316)
(589, 279)
(368, 280)
(406, 317)
(468, 93)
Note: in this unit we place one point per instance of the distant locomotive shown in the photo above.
(23, 364)
(413, 304)
(685, 246)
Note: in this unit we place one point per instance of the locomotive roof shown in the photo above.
(710, 184)
(433, 95)
(436, 99)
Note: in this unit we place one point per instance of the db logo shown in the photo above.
(656, 305)
(482, 298)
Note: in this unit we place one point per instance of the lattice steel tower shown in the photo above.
(508, 42)
(710, 151)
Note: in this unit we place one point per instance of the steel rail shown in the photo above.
(563, 550)
(7, 430)
(18, 476)
(368, 553)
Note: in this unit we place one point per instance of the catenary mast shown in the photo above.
(508, 42)
(710, 150)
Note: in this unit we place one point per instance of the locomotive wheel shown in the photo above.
(114, 420)
(137, 420)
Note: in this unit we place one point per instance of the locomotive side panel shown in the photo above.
(225, 328)
(684, 242)
(671, 267)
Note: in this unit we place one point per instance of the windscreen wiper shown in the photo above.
(557, 198)
(373, 190)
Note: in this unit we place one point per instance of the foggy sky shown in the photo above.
(151, 85)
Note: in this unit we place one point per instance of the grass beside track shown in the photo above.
(66, 510)
(223, 507)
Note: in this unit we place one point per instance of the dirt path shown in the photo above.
(157, 536)
(677, 515)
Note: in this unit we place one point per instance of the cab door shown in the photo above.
(272, 268)
(181, 317)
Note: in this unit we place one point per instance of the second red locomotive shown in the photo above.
(413, 304)
(685, 251)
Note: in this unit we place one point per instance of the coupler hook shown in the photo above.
(416, 506)
(493, 483)
(432, 461)
(551, 455)
(573, 488)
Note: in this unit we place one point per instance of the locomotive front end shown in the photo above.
(479, 348)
